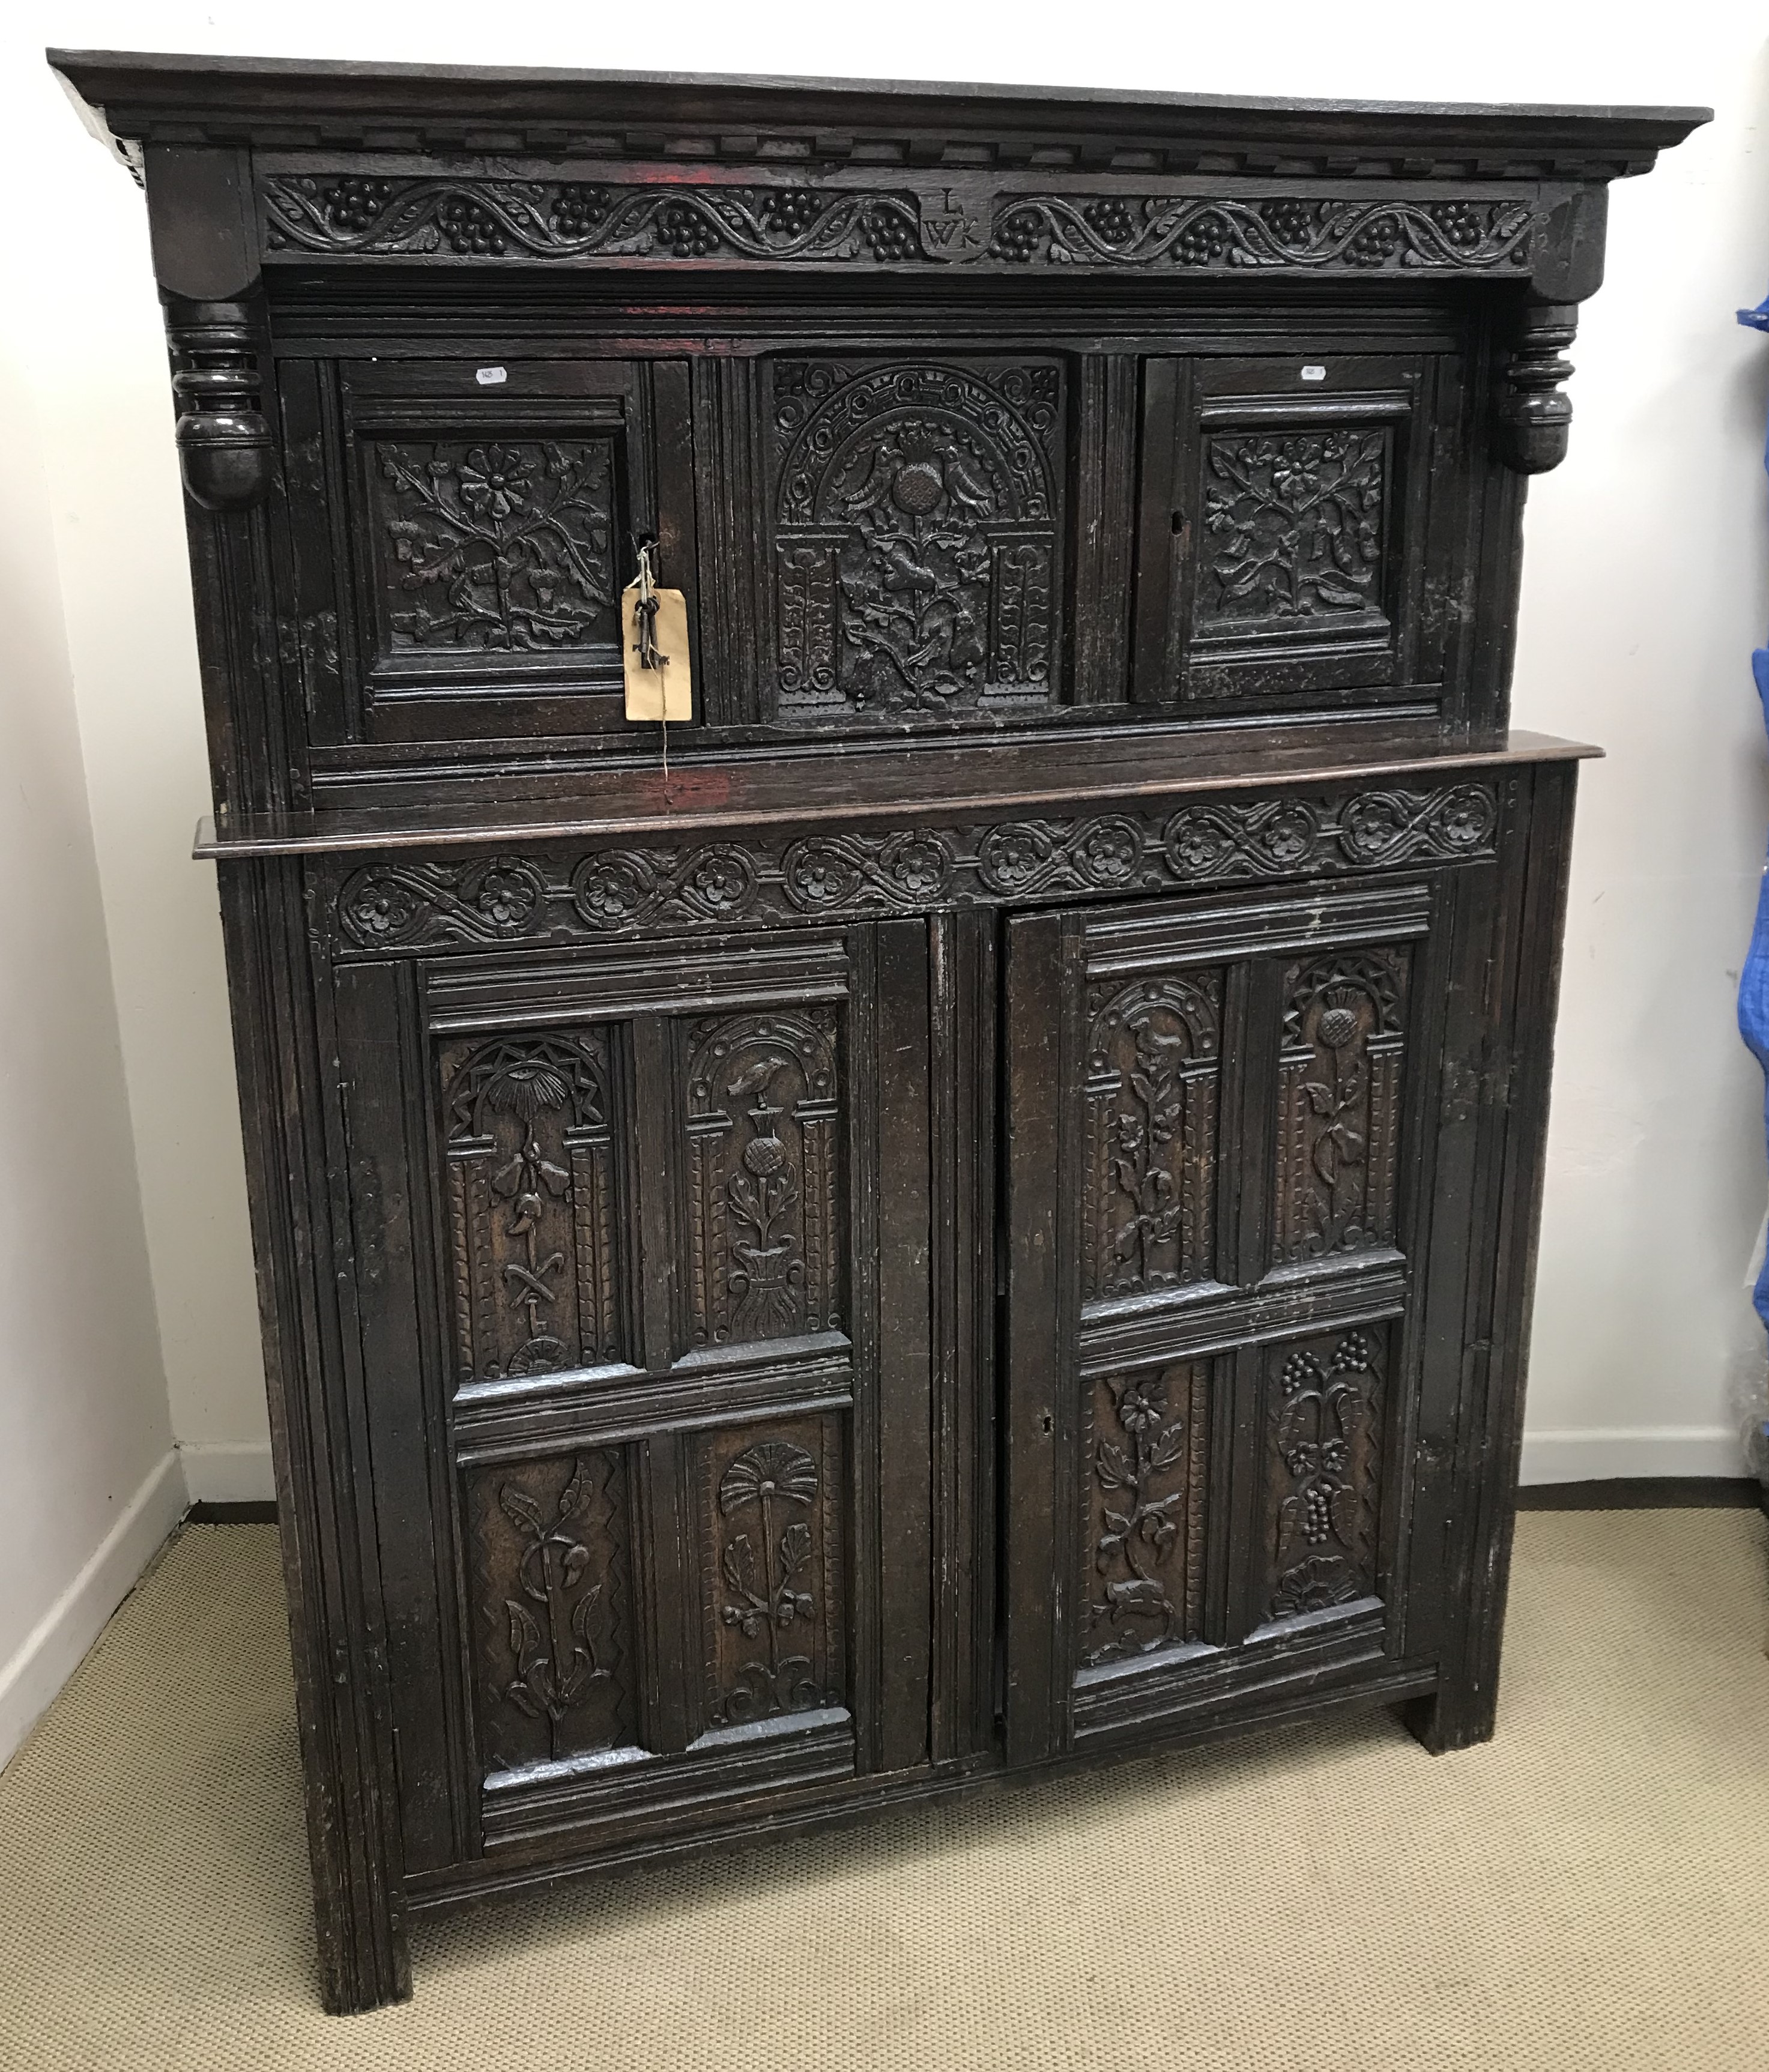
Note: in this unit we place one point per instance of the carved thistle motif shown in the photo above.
(1339, 1104)
(1153, 1067)
(530, 1185)
(341, 215)
(506, 546)
(391, 905)
(774, 1593)
(1326, 1420)
(764, 1207)
(548, 1563)
(1295, 523)
(915, 535)
(1145, 1515)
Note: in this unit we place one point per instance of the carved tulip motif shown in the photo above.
(553, 1644)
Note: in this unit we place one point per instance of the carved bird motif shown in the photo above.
(965, 484)
(876, 486)
(756, 1078)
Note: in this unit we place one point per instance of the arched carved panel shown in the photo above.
(1153, 1066)
(767, 1218)
(532, 1208)
(918, 533)
(1339, 1084)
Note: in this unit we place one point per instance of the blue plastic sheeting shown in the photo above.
(1753, 980)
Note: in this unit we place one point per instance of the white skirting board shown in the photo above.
(1640, 1454)
(227, 1472)
(52, 1650)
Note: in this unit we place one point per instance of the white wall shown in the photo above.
(89, 1482)
(1646, 589)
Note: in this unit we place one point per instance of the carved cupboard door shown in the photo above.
(1215, 1355)
(1302, 528)
(455, 539)
(642, 1276)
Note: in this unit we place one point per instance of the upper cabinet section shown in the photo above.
(954, 411)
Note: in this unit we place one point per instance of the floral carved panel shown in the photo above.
(532, 1208)
(1325, 1406)
(548, 1574)
(1143, 1531)
(1294, 524)
(1339, 1087)
(917, 519)
(1154, 1063)
(767, 1226)
(482, 547)
(773, 1603)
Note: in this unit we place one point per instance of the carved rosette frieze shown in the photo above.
(395, 905)
(548, 1574)
(917, 521)
(1153, 1070)
(957, 218)
(1142, 1572)
(765, 1208)
(771, 1564)
(530, 1206)
(1324, 1452)
(1338, 1103)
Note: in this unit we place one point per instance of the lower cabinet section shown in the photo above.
(803, 1366)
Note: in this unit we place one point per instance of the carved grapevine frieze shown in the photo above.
(494, 219)
(1339, 1104)
(764, 1206)
(530, 1185)
(550, 1578)
(1144, 1520)
(1296, 522)
(1326, 1441)
(774, 1563)
(1137, 230)
(1153, 1066)
(395, 906)
(497, 546)
(342, 216)
(915, 532)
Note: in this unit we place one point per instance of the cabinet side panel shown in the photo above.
(320, 1450)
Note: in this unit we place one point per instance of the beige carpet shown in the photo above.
(1591, 1891)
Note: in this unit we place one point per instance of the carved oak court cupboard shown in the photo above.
(984, 1217)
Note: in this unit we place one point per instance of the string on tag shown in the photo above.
(645, 617)
(647, 612)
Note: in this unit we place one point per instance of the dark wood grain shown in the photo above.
(982, 1217)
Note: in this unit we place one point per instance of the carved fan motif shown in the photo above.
(770, 1589)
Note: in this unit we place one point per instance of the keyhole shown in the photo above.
(1045, 1421)
(1179, 522)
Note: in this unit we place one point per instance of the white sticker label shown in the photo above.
(1309, 374)
(488, 377)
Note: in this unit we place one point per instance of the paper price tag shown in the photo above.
(666, 692)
